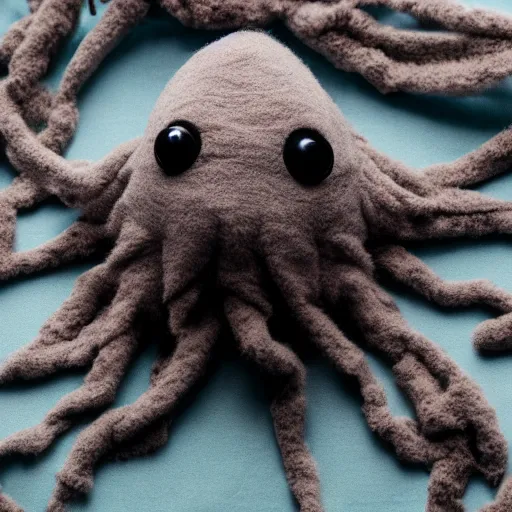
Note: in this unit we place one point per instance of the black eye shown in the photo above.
(308, 156)
(177, 147)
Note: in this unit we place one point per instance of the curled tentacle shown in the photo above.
(407, 269)
(75, 185)
(460, 405)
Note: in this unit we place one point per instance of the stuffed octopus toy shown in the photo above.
(249, 202)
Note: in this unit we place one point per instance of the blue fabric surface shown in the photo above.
(222, 454)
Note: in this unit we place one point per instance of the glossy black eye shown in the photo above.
(308, 156)
(177, 147)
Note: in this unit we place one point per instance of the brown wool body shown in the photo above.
(234, 228)
(237, 231)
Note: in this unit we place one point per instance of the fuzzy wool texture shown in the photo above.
(234, 241)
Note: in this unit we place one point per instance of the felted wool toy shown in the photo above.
(222, 223)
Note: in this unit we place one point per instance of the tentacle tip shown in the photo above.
(74, 483)
(7, 374)
(485, 340)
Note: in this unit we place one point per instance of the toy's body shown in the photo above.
(248, 195)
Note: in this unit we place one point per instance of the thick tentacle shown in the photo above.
(346, 37)
(288, 407)
(195, 327)
(492, 158)
(247, 309)
(114, 341)
(399, 213)
(51, 23)
(411, 271)
(293, 278)
(447, 403)
(117, 427)
(13, 38)
(74, 185)
(119, 18)
(70, 337)
(448, 481)
(460, 406)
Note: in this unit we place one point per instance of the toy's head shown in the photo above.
(244, 134)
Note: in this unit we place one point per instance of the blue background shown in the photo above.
(222, 454)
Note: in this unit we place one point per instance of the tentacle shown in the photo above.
(247, 309)
(75, 185)
(119, 426)
(51, 23)
(114, 341)
(119, 18)
(22, 193)
(8, 505)
(345, 37)
(460, 405)
(407, 269)
(398, 213)
(187, 293)
(452, 16)
(97, 392)
(401, 45)
(13, 38)
(71, 337)
(420, 208)
(492, 158)
(79, 240)
(288, 407)
(447, 403)
(293, 278)
(449, 478)
(495, 334)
